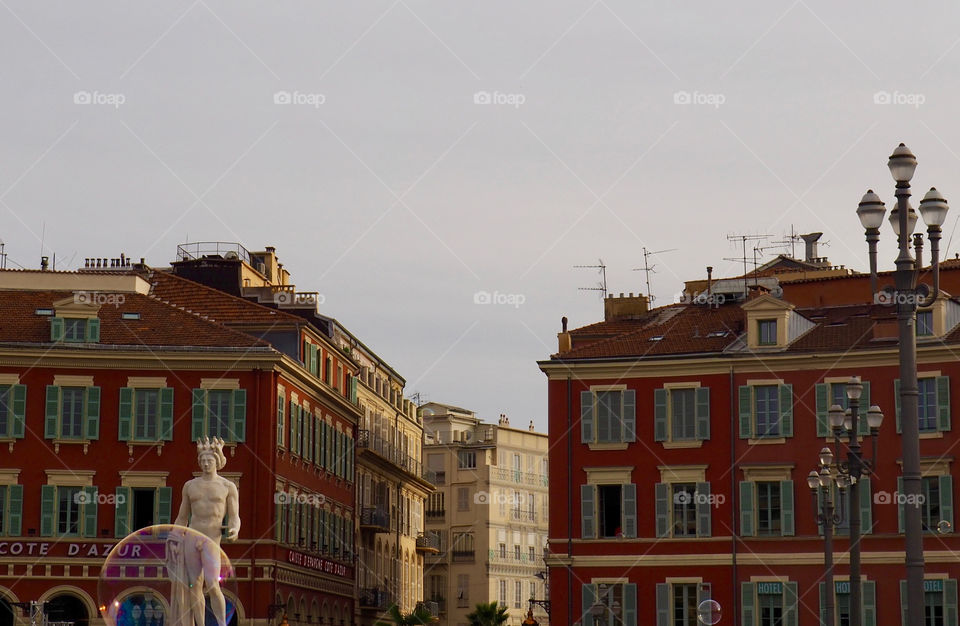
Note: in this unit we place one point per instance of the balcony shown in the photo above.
(377, 599)
(374, 519)
(463, 555)
(367, 440)
(436, 514)
(428, 543)
(440, 602)
(432, 606)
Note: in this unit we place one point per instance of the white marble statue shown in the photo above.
(193, 561)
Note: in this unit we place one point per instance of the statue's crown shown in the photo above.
(207, 444)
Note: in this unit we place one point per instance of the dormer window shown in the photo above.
(924, 323)
(767, 330)
(75, 330)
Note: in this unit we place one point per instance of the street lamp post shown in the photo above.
(847, 475)
(908, 296)
(827, 517)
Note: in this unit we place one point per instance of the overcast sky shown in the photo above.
(404, 155)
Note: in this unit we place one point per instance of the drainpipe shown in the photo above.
(733, 497)
(570, 499)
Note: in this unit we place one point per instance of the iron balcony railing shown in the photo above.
(428, 542)
(374, 599)
(375, 518)
(388, 451)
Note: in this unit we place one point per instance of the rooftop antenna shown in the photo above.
(790, 240)
(647, 268)
(743, 239)
(3, 255)
(602, 285)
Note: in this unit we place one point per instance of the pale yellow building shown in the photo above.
(489, 513)
(391, 489)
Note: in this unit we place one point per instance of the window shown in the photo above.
(532, 554)
(930, 510)
(683, 509)
(139, 507)
(13, 403)
(933, 403)
(684, 605)
(517, 593)
(75, 330)
(766, 508)
(72, 413)
(220, 413)
(681, 414)
(516, 552)
(503, 593)
(281, 412)
(616, 598)
(608, 416)
(939, 600)
(463, 498)
(767, 330)
(610, 510)
(463, 590)
(463, 546)
(766, 411)
(924, 323)
(68, 511)
(503, 551)
(466, 459)
(11, 510)
(146, 414)
(768, 603)
(841, 603)
(829, 394)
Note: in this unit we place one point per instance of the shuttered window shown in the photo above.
(13, 409)
(219, 413)
(933, 403)
(72, 413)
(608, 511)
(766, 508)
(766, 411)
(608, 416)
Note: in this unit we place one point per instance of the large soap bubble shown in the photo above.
(161, 575)
(708, 612)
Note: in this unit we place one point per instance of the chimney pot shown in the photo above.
(563, 323)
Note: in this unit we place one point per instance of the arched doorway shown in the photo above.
(67, 608)
(6, 612)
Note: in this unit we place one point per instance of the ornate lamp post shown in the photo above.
(908, 296)
(845, 426)
(826, 516)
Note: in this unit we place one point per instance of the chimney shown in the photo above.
(44, 263)
(709, 282)
(810, 250)
(564, 341)
(623, 308)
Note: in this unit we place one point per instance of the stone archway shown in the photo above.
(65, 607)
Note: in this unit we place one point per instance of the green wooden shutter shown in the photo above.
(786, 508)
(586, 417)
(866, 505)
(353, 389)
(704, 593)
(588, 513)
(660, 397)
(125, 428)
(663, 604)
(14, 510)
(629, 510)
(317, 439)
(746, 508)
(823, 603)
(747, 600)
(89, 512)
(903, 602)
(48, 501)
(93, 412)
(703, 509)
(240, 415)
(629, 605)
(746, 412)
(943, 403)
(662, 509)
(946, 498)
(588, 596)
(277, 517)
(199, 414)
(121, 513)
(950, 602)
(702, 412)
(900, 512)
(281, 406)
(166, 414)
(823, 408)
(292, 415)
(863, 426)
(93, 330)
(313, 359)
(868, 591)
(56, 329)
(629, 415)
(896, 397)
(50, 430)
(786, 410)
(164, 504)
(19, 410)
(789, 604)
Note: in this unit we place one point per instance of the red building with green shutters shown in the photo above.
(681, 439)
(107, 379)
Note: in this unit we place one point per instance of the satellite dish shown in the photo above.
(231, 256)
(777, 292)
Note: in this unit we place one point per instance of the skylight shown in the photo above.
(719, 333)
(47, 312)
(130, 316)
(656, 338)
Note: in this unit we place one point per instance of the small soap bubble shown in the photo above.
(135, 586)
(708, 612)
(944, 527)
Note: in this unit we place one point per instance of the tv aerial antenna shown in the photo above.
(602, 285)
(743, 239)
(647, 268)
(790, 240)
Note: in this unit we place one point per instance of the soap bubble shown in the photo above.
(944, 526)
(708, 612)
(135, 587)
